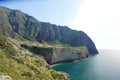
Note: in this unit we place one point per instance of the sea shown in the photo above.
(102, 66)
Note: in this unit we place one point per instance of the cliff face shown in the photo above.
(62, 54)
(16, 24)
(65, 55)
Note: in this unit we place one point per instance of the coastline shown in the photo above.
(62, 62)
(77, 60)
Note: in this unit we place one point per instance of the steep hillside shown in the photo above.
(16, 24)
(17, 63)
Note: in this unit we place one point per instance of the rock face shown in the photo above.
(56, 55)
(16, 24)
(65, 55)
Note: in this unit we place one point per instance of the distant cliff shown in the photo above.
(16, 24)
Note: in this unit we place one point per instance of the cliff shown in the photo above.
(20, 60)
(18, 25)
(66, 54)
(55, 55)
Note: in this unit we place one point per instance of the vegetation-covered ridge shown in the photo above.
(17, 63)
(16, 24)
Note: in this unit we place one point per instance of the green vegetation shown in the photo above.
(20, 64)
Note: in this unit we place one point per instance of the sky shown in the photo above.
(100, 19)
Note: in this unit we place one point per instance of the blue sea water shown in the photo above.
(103, 66)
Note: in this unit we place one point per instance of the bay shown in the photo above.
(103, 66)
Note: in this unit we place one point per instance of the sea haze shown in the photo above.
(103, 66)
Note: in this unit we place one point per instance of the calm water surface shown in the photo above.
(103, 66)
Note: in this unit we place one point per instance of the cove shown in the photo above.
(103, 66)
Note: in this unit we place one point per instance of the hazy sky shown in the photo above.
(100, 19)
